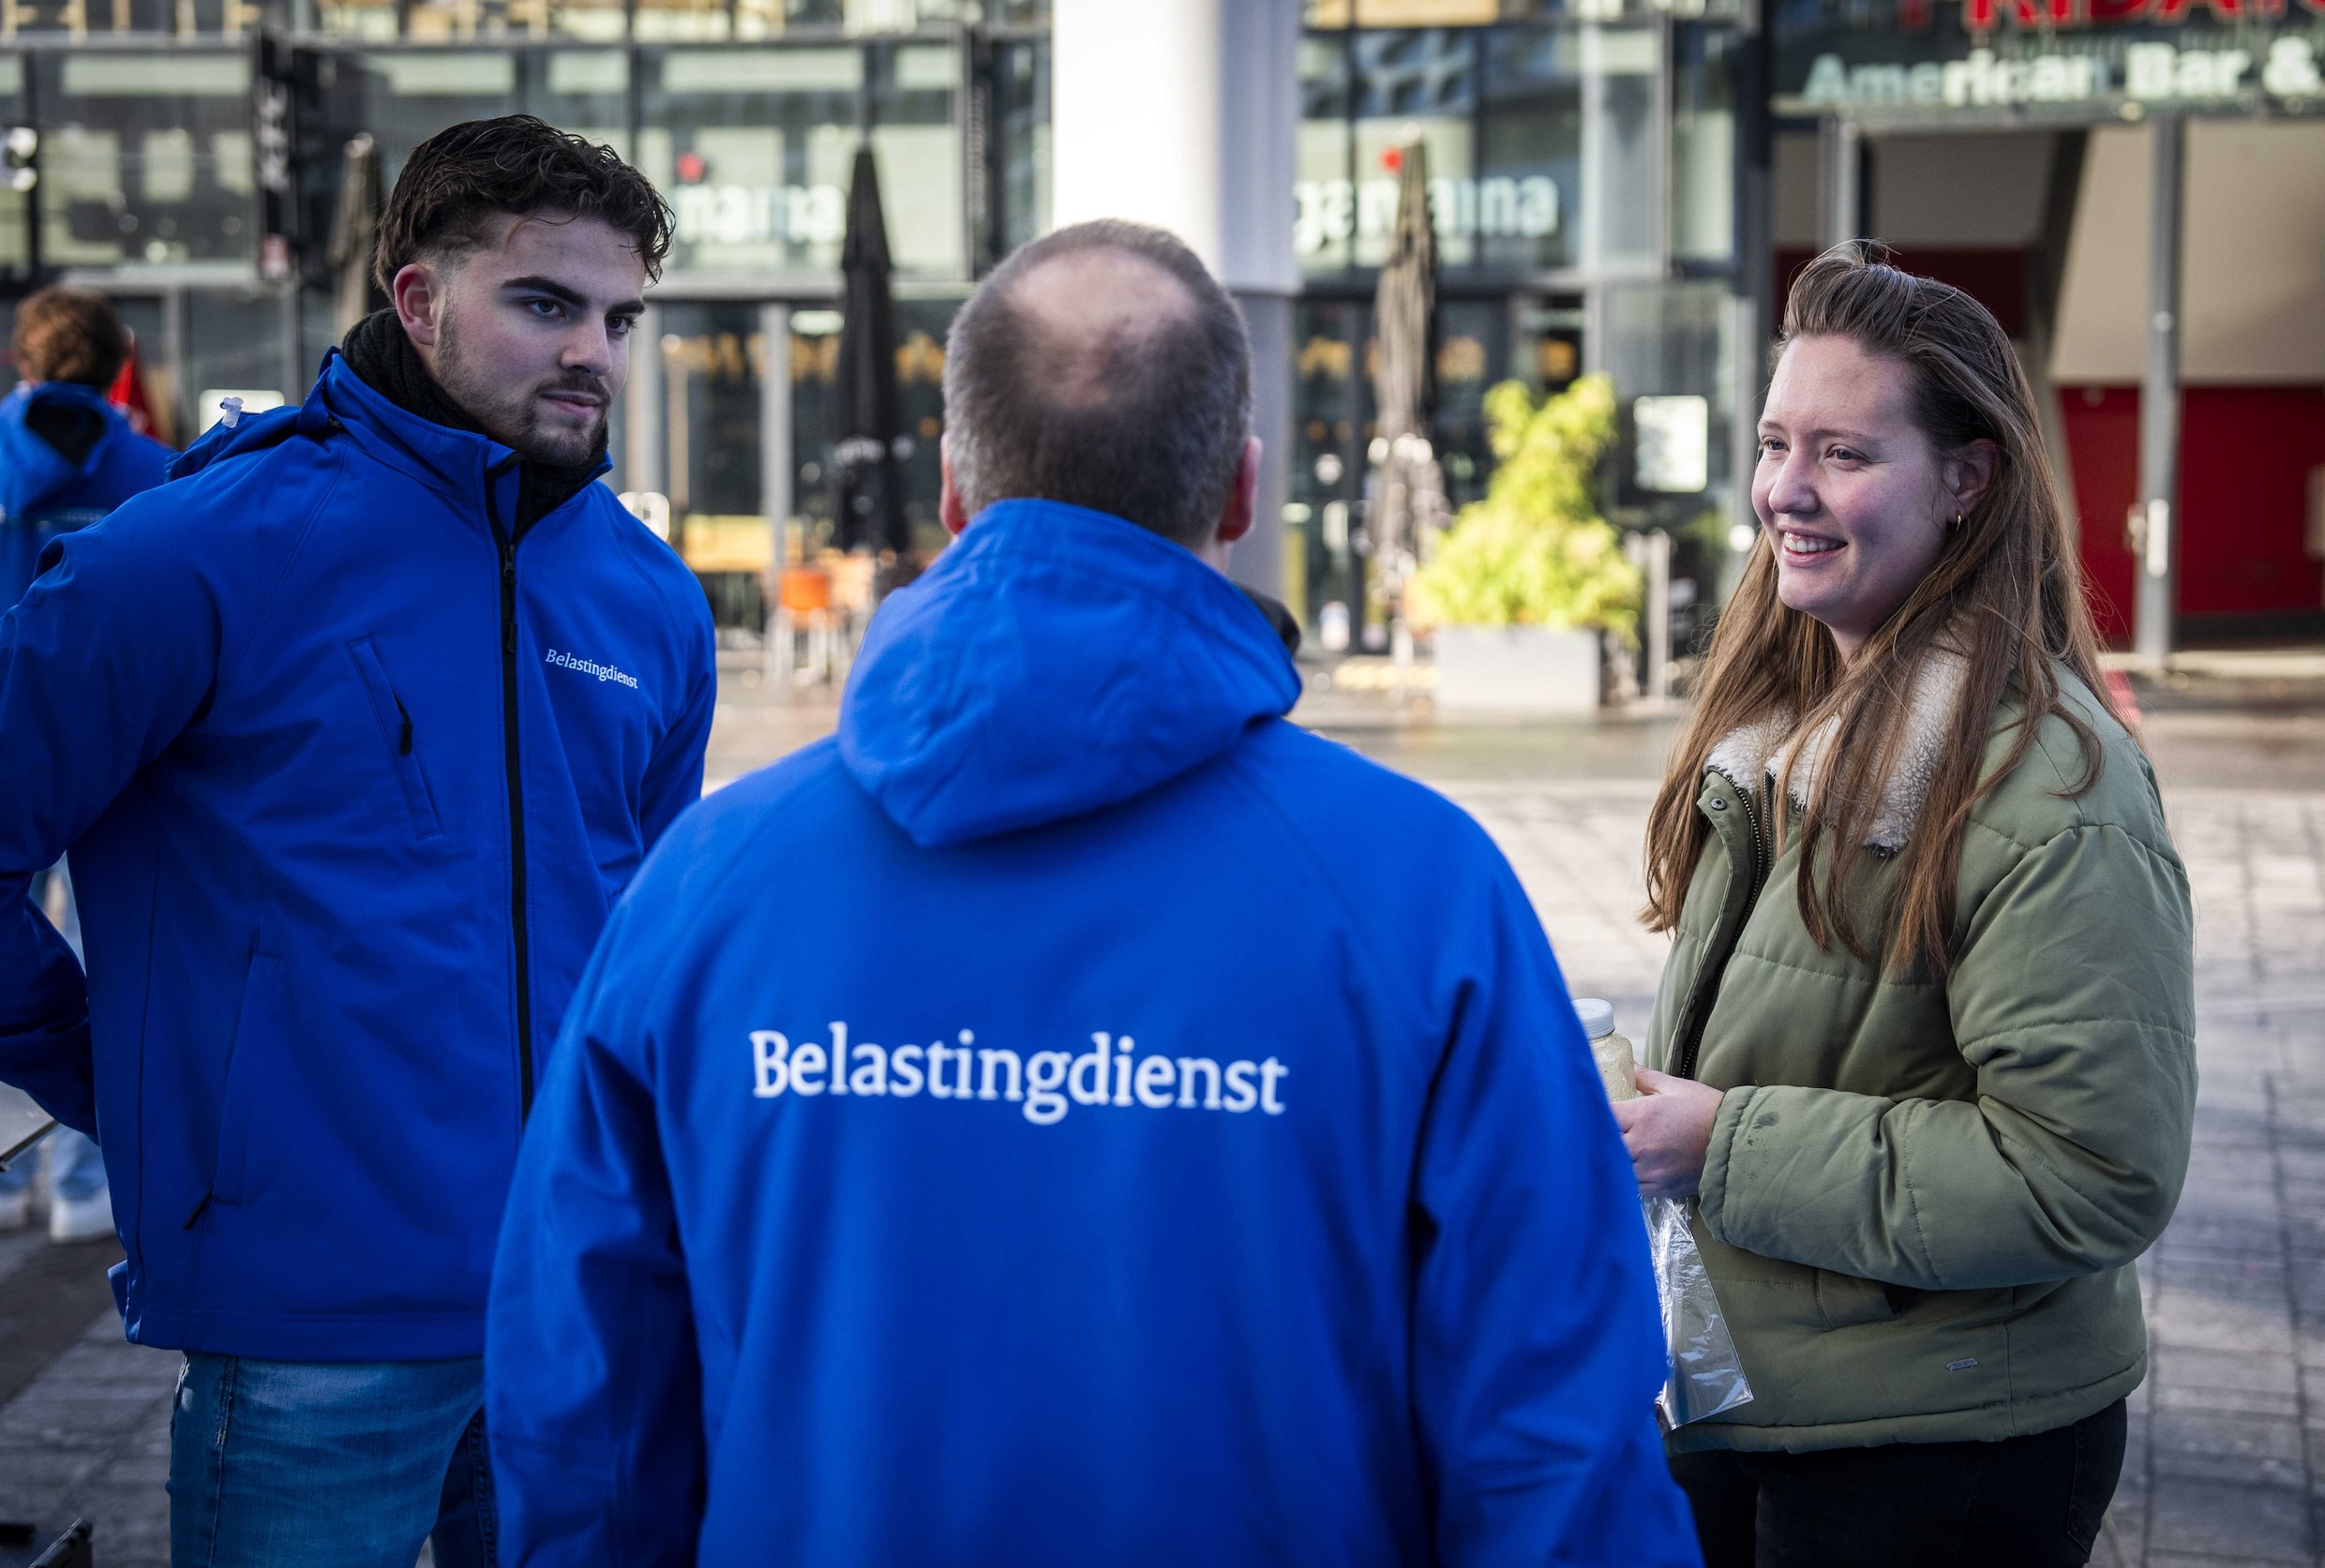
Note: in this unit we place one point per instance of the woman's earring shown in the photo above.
(1958, 521)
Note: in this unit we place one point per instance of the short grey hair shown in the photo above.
(1146, 419)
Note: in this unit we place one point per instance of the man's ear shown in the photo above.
(419, 297)
(950, 511)
(1242, 509)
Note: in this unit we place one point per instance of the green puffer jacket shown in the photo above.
(1923, 1199)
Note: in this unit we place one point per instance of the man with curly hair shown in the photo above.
(356, 730)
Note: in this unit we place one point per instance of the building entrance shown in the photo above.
(729, 419)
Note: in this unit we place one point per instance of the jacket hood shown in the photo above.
(1054, 661)
(32, 470)
(236, 433)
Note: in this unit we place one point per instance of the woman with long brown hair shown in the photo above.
(1924, 1048)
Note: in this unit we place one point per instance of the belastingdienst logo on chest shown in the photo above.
(1044, 1083)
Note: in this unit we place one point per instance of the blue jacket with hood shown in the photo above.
(44, 493)
(350, 780)
(1075, 1116)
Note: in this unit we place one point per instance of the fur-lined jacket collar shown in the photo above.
(1768, 747)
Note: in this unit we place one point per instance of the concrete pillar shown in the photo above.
(641, 408)
(1185, 115)
(774, 425)
(1840, 175)
(2157, 523)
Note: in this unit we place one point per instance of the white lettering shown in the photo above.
(1980, 80)
(1877, 84)
(1187, 1065)
(2291, 69)
(2148, 69)
(1045, 1105)
(756, 215)
(1045, 1084)
(991, 1059)
(1828, 81)
(1157, 1076)
(1096, 1061)
(1328, 212)
(588, 667)
(768, 1049)
(1270, 1072)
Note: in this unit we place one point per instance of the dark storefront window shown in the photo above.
(1512, 118)
(1022, 142)
(1324, 225)
(146, 157)
(918, 143)
(404, 97)
(1530, 147)
(1702, 184)
(1333, 360)
(15, 205)
(754, 147)
(921, 328)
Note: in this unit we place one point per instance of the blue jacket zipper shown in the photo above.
(511, 762)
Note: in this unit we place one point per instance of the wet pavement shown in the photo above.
(2227, 1465)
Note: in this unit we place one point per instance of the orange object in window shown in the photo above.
(802, 589)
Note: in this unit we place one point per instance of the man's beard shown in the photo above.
(513, 416)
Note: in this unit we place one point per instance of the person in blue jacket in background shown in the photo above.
(356, 729)
(67, 457)
(1075, 1116)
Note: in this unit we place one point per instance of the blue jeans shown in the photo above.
(76, 1170)
(287, 1464)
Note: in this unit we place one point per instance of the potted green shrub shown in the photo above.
(1520, 593)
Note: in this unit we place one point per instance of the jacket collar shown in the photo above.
(1769, 747)
(456, 463)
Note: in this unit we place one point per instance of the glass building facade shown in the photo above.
(186, 156)
(1582, 163)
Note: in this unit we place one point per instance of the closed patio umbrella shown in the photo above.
(1408, 488)
(354, 226)
(867, 502)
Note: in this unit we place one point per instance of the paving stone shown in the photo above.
(2268, 1523)
(2198, 1319)
(2211, 1446)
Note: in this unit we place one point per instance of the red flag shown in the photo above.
(128, 394)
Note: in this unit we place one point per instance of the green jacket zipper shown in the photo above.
(521, 936)
(1706, 991)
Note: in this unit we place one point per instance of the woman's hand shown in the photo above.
(1667, 1130)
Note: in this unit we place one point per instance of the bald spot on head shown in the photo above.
(1090, 314)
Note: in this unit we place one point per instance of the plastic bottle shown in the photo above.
(1611, 1051)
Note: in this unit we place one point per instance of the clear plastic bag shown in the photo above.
(1707, 1375)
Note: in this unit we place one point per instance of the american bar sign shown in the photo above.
(2052, 59)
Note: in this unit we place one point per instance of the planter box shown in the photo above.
(1517, 669)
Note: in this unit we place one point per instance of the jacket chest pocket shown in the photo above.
(395, 731)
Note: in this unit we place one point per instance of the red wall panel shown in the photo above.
(2246, 453)
(2103, 448)
(2244, 459)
